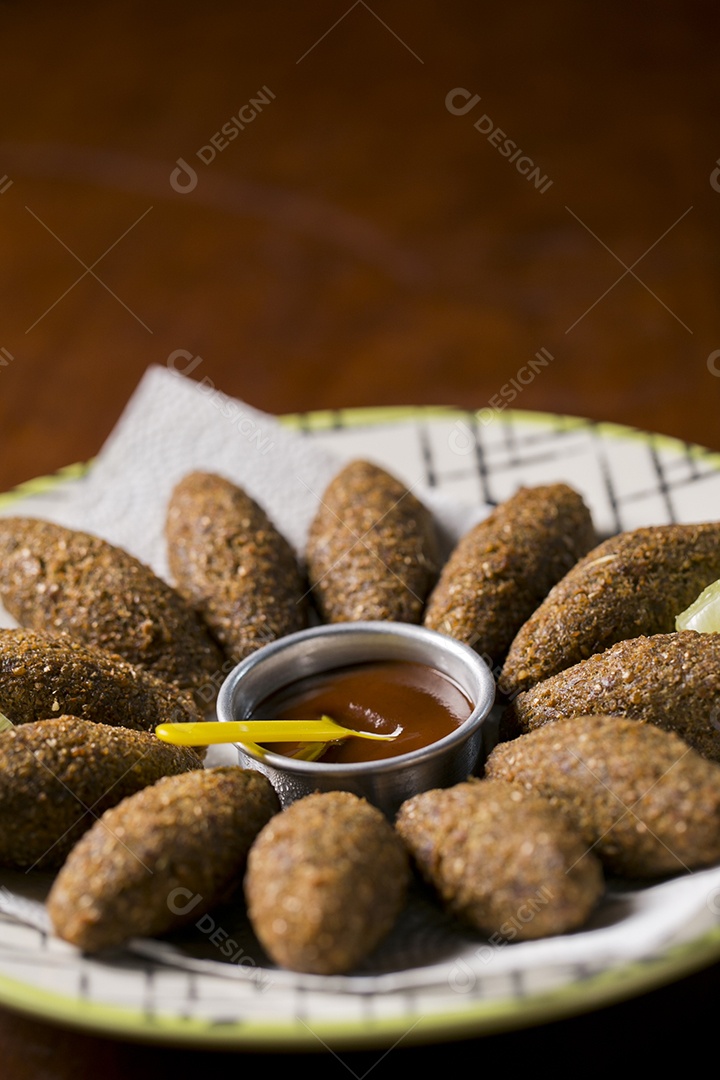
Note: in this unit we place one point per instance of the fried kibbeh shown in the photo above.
(647, 803)
(670, 680)
(232, 565)
(160, 858)
(502, 569)
(58, 776)
(58, 579)
(633, 584)
(372, 550)
(326, 880)
(47, 675)
(501, 859)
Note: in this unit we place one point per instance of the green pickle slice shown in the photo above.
(703, 614)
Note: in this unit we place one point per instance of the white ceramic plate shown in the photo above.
(211, 986)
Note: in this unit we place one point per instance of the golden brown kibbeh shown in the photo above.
(670, 680)
(372, 549)
(58, 776)
(647, 803)
(160, 858)
(57, 579)
(232, 565)
(501, 859)
(633, 584)
(503, 568)
(45, 675)
(325, 882)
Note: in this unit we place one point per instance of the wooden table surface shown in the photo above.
(385, 203)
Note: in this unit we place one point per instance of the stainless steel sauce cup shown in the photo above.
(385, 783)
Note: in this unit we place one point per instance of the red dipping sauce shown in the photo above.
(377, 696)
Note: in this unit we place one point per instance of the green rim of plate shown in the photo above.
(40, 484)
(480, 1017)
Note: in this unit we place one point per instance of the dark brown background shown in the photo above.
(358, 244)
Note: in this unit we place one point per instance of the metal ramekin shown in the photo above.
(385, 783)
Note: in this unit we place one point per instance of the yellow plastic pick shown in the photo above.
(264, 731)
